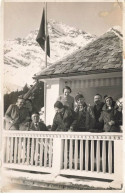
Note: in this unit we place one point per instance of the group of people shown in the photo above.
(101, 116)
(20, 116)
(70, 115)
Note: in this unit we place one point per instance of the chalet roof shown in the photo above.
(100, 56)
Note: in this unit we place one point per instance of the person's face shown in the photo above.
(35, 118)
(109, 102)
(97, 99)
(66, 92)
(20, 103)
(80, 101)
(57, 110)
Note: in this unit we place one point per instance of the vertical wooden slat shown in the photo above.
(76, 154)
(28, 150)
(41, 152)
(19, 150)
(36, 152)
(15, 150)
(92, 155)
(11, 149)
(65, 155)
(98, 156)
(81, 154)
(86, 154)
(45, 153)
(50, 152)
(24, 150)
(7, 150)
(104, 156)
(4, 149)
(32, 151)
(71, 154)
(110, 157)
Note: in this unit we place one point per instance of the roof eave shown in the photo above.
(58, 75)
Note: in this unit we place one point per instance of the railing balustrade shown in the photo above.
(72, 153)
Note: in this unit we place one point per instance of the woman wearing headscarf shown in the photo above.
(109, 116)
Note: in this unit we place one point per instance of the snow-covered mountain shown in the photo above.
(23, 57)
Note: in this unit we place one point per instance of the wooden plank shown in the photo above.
(28, 150)
(45, 152)
(19, 150)
(41, 152)
(28, 167)
(32, 152)
(36, 153)
(110, 157)
(104, 156)
(81, 154)
(76, 154)
(92, 155)
(11, 149)
(4, 149)
(65, 154)
(86, 154)
(24, 150)
(90, 174)
(71, 154)
(7, 150)
(98, 156)
(50, 152)
(15, 150)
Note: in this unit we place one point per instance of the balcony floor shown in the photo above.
(19, 180)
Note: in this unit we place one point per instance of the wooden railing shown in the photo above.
(87, 154)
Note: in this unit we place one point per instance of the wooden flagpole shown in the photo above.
(46, 34)
(45, 6)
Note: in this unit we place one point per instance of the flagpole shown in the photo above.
(45, 34)
(45, 6)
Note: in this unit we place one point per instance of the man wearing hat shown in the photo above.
(65, 118)
(16, 114)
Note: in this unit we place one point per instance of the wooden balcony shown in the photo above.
(97, 155)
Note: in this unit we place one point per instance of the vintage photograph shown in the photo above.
(62, 96)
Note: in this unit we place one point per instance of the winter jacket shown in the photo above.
(18, 115)
(107, 116)
(94, 113)
(82, 117)
(63, 121)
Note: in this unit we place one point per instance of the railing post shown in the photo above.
(118, 161)
(57, 156)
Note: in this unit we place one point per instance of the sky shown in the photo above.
(20, 18)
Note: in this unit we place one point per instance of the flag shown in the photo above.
(41, 35)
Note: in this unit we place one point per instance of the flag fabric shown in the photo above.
(41, 35)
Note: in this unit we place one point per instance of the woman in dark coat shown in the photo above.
(65, 119)
(109, 116)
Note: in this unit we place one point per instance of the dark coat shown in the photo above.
(93, 116)
(65, 121)
(107, 116)
(18, 115)
(41, 127)
(82, 117)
